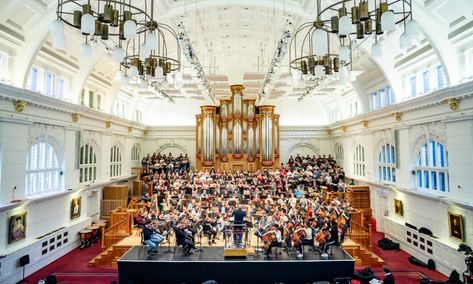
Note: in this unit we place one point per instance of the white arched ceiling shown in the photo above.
(428, 14)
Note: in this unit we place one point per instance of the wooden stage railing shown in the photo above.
(360, 234)
(115, 233)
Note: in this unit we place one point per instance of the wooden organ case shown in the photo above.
(237, 135)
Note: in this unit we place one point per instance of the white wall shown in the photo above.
(47, 119)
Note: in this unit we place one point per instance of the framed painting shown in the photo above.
(398, 207)
(76, 204)
(17, 228)
(455, 224)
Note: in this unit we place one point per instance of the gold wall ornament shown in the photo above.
(364, 123)
(75, 117)
(20, 105)
(453, 102)
(397, 115)
(344, 128)
(108, 124)
(130, 129)
(145, 132)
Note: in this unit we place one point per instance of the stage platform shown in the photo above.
(136, 267)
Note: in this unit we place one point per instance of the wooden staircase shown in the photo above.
(362, 255)
(109, 256)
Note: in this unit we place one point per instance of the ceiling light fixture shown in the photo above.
(323, 47)
(192, 58)
(273, 68)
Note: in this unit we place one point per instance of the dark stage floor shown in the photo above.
(135, 265)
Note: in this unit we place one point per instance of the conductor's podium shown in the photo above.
(235, 252)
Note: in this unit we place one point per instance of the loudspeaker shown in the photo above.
(24, 260)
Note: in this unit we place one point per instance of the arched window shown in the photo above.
(42, 170)
(115, 162)
(432, 167)
(87, 164)
(339, 154)
(135, 152)
(387, 164)
(359, 161)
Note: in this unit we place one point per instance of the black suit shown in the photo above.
(389, 279)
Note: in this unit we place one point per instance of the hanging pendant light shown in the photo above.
(319, 39)
(133, 71)
(344, 53)
(129, 29)
(169, 79)
(159, 72)
(85, 50)
(59, 43)
(376, 50)
(178, 80)
(413, 29)
(144, 51)
(151, 41)
(119, 75)
(57, 29)
(87, 24)
(319, 71)
(388, 21)
(344, 26)
(118, 54)
(404, 42)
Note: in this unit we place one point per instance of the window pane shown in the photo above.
(442, 181)
(432, 151)
(426, 179)
(393, 155)
(394, 174)
(426, 155)
(433, 178)
(441, 154)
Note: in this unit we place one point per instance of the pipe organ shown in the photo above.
(237, 134)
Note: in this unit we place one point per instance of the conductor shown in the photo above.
(238, 220)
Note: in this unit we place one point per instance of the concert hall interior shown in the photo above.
(250, 141)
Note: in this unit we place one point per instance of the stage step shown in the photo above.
(362, 255)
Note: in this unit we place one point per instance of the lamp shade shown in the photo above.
(159, 72)
(344, 53)
(129, 29)
(344, 25)
(59, 42)
(412, 29)
(388, 21)
(169, 79)
(178, 80)
(87, 24)
(144, 51)
(319, 71)
(85, 50)
(119, 75)
(319, 41)
(376, 50)
(57, 29)
(118, 54)
(404, 42)
(133, 71)
(296, 75)
(151, 41)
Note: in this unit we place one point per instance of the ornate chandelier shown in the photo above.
(324, 47)
(149, 44)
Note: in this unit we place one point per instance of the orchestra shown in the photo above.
(288, 207)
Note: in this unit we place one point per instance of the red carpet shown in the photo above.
(73, 267)
(397, 261)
